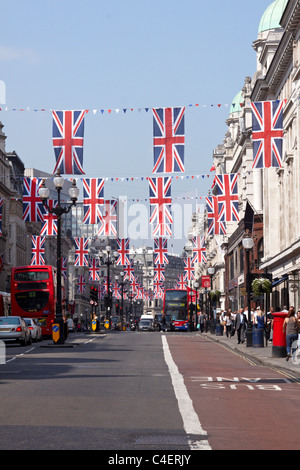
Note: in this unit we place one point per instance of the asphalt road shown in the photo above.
(143, 391)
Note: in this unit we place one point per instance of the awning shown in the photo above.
(279, 281)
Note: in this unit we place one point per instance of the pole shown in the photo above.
(249, 323)
(59, 316)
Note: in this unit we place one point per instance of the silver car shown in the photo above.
(14, 329)
(34, 328)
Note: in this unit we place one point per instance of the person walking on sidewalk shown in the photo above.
(240, 325)
(228, 324)
(290, 328)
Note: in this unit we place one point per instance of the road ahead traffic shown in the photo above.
(143, 391)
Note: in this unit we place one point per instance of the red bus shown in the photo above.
(176, 305)
(33, 294)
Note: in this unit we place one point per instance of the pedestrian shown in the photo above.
(240, 325)
(269, 325)
(201, 321)
(290, 328)
(260, 319)
(298, 326)
(228, 324)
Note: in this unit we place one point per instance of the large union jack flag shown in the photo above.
(64, 267)
(189, 269)
(199, 249)
(33, 209)
(108, 224)
(93, 200)
(49, 227)
(160, 251)
(160, 206)
(123, 251)
(228, 199)
(81, 251)
(94, 267)
(181, 282)
(159, 273)
(214, 227)
(68, 133)
(267, 134)
(168, 140)
(37, 250)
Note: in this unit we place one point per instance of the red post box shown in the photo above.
(279, 338)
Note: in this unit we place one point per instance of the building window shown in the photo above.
(260, 251)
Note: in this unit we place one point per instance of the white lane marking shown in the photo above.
(190, 418)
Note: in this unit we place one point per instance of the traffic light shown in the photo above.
(117, 308)
(94, 295)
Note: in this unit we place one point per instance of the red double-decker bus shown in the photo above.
(33, 294)
(176, 305)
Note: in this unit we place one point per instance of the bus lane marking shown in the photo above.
(191, 422)
(235, 383)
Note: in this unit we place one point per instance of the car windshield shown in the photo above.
(28, 321)
(9, 321)
(145, 322)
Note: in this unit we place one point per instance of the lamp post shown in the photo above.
(248, 245)
(211, 272)
(196, 286)
(108, 260)
(58, 181)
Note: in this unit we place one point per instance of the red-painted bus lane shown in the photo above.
(241, 405)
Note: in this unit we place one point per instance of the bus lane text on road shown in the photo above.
(238, 383)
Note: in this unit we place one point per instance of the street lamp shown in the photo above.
(108, 260)
(211, 272)
(248, 245)
(58, 181)
(196, 286)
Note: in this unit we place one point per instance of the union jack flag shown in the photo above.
(80, 284)
(160, 206)
(94, 269)
(68, 132)
(215, 227)
(81, 251)
(93, 200)
(33, 209)
(181, 284)
(199, 249)
(189, 269)
(50, 220)
(267, 134)
(64, 264)
(108, 224)
(129, 271)
(228, 199)
(116, 290)
(106, 284)
(159, 273)
(168, 140)
(123, 251)
(37, 250)
(134, 283)
(161, 250)
(1, 207)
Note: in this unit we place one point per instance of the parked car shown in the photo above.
(145, 325)
(14, 329)
(34, 328)
(71, 326)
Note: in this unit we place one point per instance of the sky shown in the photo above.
(134, 54)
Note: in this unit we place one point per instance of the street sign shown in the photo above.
(94, 325)
(205, 282)
(55, 332)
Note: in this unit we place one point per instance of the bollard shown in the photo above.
(258, 338)
(279, 338)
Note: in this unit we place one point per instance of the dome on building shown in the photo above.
(235, 107)
(272, 16)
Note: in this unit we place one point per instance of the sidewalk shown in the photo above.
(261, 355)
